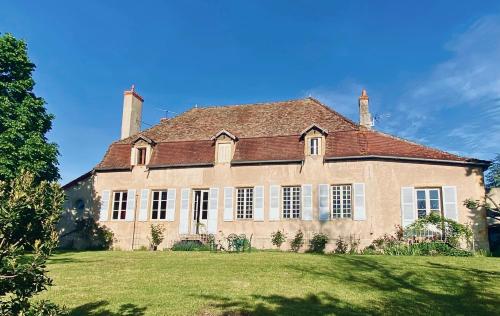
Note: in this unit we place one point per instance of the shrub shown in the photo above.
(189, 245)
(318, 243)
(93, 235)
(297, 242)
(278, 238)
(341, 246)
(156, 236)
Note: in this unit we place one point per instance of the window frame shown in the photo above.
(139, 161)
(159, 200)
(317, 148)
(343, 214)
(292, 215)
(121, 202)
(220, 147)
(428, 209)
(246, 214)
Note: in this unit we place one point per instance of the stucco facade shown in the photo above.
(383, 182)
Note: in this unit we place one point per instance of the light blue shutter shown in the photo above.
(228, 204)
(259, 203)
(274, 203)
(324, 209)
(143, 210)
(307, 207)
(129, 217)
(450, 208)
(359, 202)
(170, 205)
(408, 214)
(213, 199)
(104, 211)
(184, 212)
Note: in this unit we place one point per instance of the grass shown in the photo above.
(271, 283)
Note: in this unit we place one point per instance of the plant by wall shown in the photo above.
(318, 243)
(341, 246)
(189, 245)
(157, 236)
(297, 242)
(94, 235)
(278, 238)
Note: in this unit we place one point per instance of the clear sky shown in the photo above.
(431, 68)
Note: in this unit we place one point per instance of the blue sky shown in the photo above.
(431, 68)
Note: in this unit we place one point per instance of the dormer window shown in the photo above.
(224, 142)
(314, 146)
(141, 156)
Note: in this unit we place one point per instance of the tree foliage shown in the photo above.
(29, 212)
(493, 174)
(24, 121)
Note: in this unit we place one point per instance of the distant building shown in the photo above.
(257, 168)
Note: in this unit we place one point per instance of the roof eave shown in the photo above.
(482, 163)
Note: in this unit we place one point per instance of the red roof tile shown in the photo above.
(183, 153)
(269, 148)
(117, 157)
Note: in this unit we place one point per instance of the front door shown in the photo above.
(200, 212)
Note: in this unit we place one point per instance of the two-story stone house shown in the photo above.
(257, 168)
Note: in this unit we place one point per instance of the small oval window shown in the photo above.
(79, 206)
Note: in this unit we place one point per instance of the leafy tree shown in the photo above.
(24, 121)
(493, 174)
(35, 207)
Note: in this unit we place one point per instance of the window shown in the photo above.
(159, 206)
(314, 146)
(291, 202)
(428, 201)
(119, 205)
(244, 203)
(341, 201)
(224, 152)
(141, 156)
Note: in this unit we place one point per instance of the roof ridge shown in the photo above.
(246, 104)
(333, 111)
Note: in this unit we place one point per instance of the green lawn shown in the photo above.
(272, 283)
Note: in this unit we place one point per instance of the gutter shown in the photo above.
(482, 163)
(104, 169)
(260, 162)
(186, 165)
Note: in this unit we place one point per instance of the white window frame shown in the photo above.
(287, 201)
(428, 209)
(314, 149)
(245, 204)
(122, 206)
(341, 201)
(159, 200)
(138, 156)
(221, 148)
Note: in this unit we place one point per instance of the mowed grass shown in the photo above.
(271, 283)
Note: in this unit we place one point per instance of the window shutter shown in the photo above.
(259, 203)
(324, 209)
(408, 215)
(103, 214)
(359, 202)
(170, 205)
(274, 203)
(184, 213)
(307, 207)
(129, 217)
(228, 204)
(450, 208)
(213, 198)
(143, 211)
(133, 153)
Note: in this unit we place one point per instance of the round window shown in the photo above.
(79, 206)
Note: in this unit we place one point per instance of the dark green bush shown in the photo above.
(318, 243)
(297, 241)
(278, 238)
(189, 245)
(341, 246)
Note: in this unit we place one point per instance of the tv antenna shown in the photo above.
(380, 117)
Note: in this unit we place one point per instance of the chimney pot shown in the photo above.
(365, 118)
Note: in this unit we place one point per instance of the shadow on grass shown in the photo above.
(98, 309)
(384, 289)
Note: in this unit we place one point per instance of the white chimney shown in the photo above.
(365, 118)
(132, 113)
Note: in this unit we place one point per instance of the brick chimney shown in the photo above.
(365, 118)
(132, 113)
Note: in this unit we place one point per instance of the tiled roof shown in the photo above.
(247, 121)
(265, 132)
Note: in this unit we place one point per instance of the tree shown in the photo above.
(493, 174)
(36, 207)
(24, 121)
